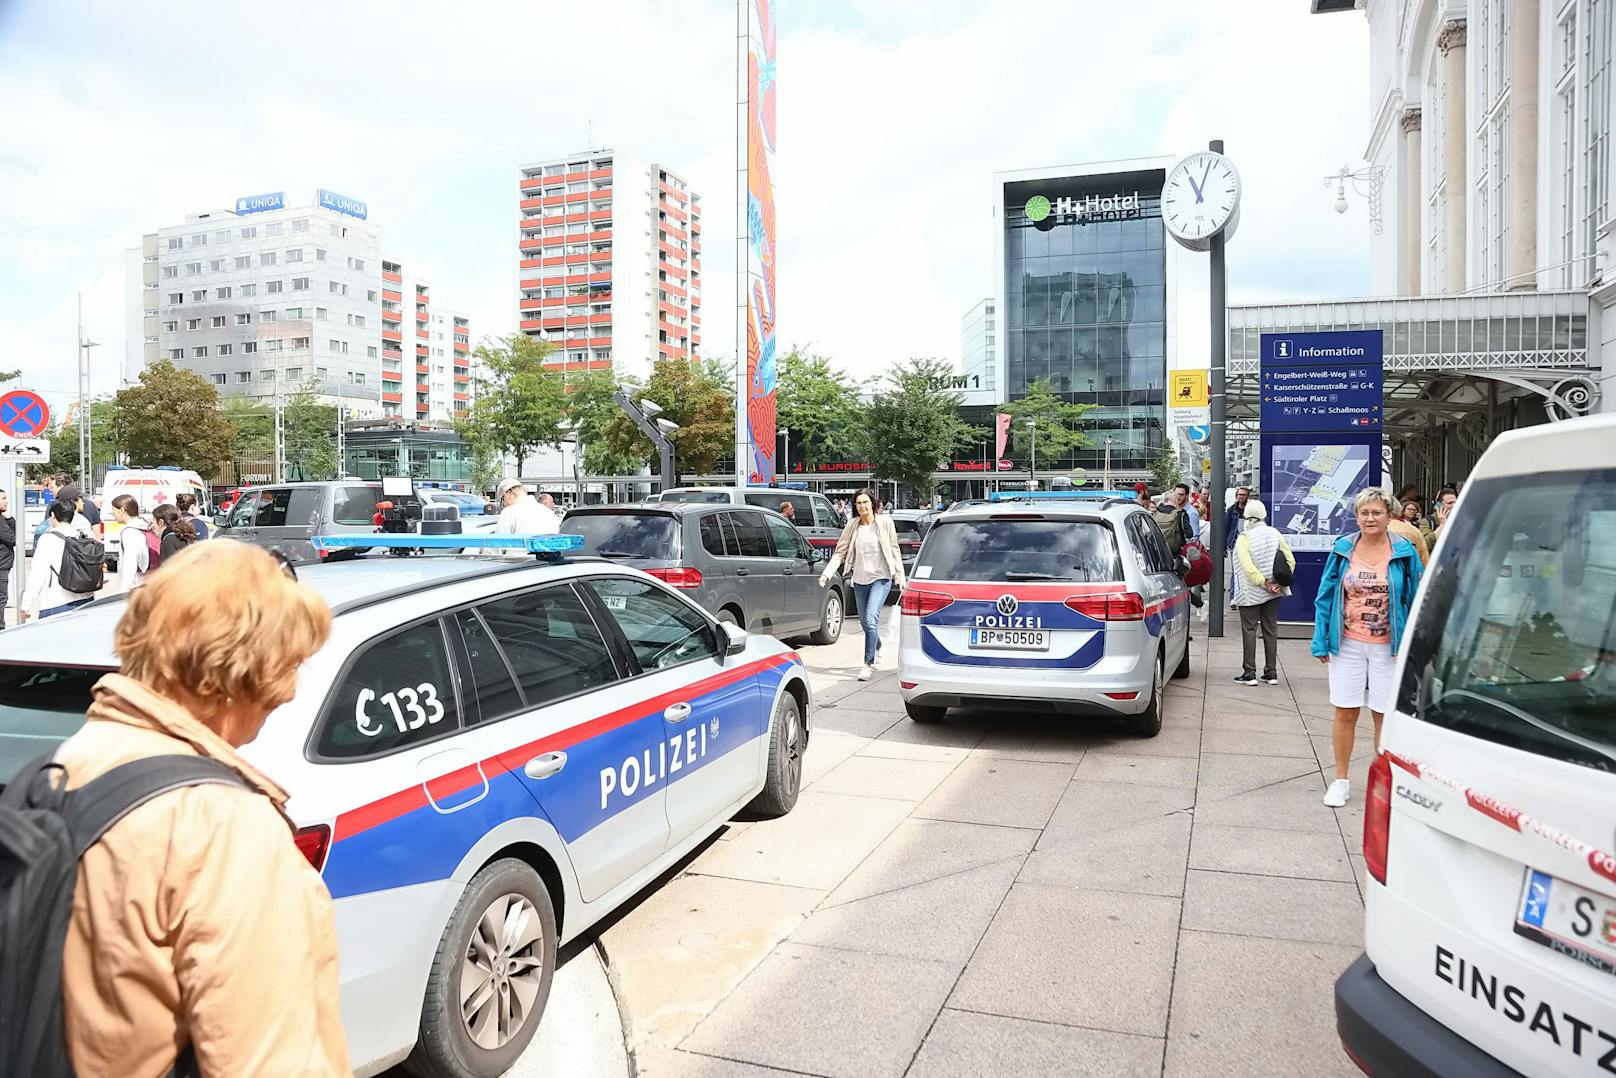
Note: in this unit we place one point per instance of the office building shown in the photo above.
(609, 262)
(979, 355)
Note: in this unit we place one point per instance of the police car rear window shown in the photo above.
(39, 707)
(626, 535)
(1516, 639)
(1019, 549)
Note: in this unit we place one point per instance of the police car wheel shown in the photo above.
(830, 618)
(923, 713)
(491, 976)
(1148, 723)
(787, 742)
(1182, 670)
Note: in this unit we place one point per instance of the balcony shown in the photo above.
(422, 368)
(392, 334)
(422, 333)
(533, 183)
(391, 296)
(393, 277)
(462, 397)
(530, 203)
(392, 398)
(423, 389)
(393, 354)
(530, 325)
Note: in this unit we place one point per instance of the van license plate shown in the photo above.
(1012, 639)
(1573, 920)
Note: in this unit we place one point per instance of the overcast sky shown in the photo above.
(122, 117)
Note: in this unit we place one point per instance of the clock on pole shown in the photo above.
(1201, 199)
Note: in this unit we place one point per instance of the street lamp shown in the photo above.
(1032, 467)
(1366, 182)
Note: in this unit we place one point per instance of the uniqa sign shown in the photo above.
(330, 200)
(1083, 209)
(274, 200)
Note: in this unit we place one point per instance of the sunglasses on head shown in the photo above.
(285, 563)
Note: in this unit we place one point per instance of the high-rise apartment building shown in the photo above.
(609, 262)
(425, 351)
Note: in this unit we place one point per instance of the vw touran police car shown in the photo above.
(487, 757)
(1490, 816)
(1060, 603)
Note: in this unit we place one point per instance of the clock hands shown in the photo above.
(1195, 186)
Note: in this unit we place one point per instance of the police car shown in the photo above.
(1055, 602)
(1490, 815)
(487, 757)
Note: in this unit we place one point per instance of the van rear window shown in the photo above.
(705, 497)
(1010, 550)
(626, 534)
(1516, 639)
(40, 707)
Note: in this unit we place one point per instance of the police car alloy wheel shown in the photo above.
(491, 977)
(1148, 723)
(830, 624)
(787, 743)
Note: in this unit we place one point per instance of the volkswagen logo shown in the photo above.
(1007, 604)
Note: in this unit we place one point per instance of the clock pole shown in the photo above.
(1219, 476)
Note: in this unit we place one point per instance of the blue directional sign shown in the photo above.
(1322, 382)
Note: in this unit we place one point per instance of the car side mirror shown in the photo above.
(734, 638)
(220, 519)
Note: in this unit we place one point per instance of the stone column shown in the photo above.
(1455, 142)
(1414, 192)
(1520, 266)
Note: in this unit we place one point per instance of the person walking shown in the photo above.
(198, 929)
(46, 594)
(185, 502)
(1445, 501)
(175, 531)
(8, 552)
(1141, 494)
(869, 546)
(1361, 609)
(135, 543)
(1234, 515)
(520, 513)
(1407, 527)
(1259, 552)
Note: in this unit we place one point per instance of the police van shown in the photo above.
(1490, 815)
(488, 756)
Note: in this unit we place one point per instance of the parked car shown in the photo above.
(285, 516)
(470, 505)
(1490, 898)
(912, 526)
(812, 514)
(743, 565)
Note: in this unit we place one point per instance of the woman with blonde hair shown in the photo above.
(200, 937)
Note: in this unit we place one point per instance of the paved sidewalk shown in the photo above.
(1018, 895)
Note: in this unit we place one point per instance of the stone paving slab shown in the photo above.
(1259, 850)
(964, 1044)
(1011, 793)
(882, 776)
(1147, 857)
(1308, 910)
(816, 846)
(1147, 770)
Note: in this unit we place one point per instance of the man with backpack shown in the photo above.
(67, 568)
(139, 548)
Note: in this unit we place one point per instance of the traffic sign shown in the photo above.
(1200, 434)
(23, 414)
(32, 450)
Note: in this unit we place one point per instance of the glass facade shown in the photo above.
(1086, 304)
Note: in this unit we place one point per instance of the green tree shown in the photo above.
(1164, 471)
(254, 422)
(309, 430)
(172, 417)
(1055, 427)
(592, 411)
(698, 398)
(64, 443)
(912, 426)
(818, 404)
(520, 403)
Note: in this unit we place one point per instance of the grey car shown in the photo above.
(285, 516)
(744, 565)
(812, 513)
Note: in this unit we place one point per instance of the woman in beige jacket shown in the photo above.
(869, 548)
(197, 926)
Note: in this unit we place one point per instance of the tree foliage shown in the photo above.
(592, 412)
(64, 443)
(911, 427)
(700, 400)
(1164, 471)
(520, 404)
(818, 404)
(172, 417)
(1056, 424)
(309, 430)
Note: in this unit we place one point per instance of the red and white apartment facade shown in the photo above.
(425, 351)
(609, 262)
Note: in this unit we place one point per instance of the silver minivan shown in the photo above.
(812, 514)
(286, 516)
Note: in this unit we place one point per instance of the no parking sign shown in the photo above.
(23, 414)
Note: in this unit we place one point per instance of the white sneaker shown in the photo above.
(866, 672)
(1337, 794)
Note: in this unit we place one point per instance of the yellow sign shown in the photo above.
(1188, 389)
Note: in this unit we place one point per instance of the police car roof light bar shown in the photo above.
(531, 544)
(1053, 495)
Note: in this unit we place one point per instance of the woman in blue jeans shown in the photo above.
(869, 548)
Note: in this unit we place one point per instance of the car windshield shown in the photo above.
(1516, 640)
(626, 534)
(1019, 549)
(40, 706)
(706, 497)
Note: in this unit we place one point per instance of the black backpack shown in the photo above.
(44, 830)
(84, 566)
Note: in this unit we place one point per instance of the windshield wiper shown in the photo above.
(1015, 575)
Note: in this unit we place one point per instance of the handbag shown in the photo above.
(1283, 574)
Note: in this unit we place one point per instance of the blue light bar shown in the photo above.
(1053, 495)
(530, 544)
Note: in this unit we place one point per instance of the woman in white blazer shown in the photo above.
(869, 548)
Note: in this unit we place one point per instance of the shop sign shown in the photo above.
(1083, 209)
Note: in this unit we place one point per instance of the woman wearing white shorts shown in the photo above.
(1362, 606)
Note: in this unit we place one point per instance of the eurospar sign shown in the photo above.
(1083, 209)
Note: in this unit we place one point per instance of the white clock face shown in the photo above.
(1201, 196)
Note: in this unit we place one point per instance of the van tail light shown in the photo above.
(314, 842)
(1377, 821)
(680, 577)
(1110, 605)
(917, 604)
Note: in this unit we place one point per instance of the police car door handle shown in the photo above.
(676, 712)
(542, 767)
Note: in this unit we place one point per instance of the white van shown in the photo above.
(150, 487)
(1490, 817)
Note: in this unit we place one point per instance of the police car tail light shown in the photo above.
(680, 577)
(917, 604)
(1110, 605)
(1377, 822)
(313, 843)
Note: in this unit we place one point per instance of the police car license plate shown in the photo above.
(1575, 921)
(1012, 639)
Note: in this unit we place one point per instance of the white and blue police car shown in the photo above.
(1066, 603)
(488, 756)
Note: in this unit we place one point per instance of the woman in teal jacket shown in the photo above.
(1362, 608)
